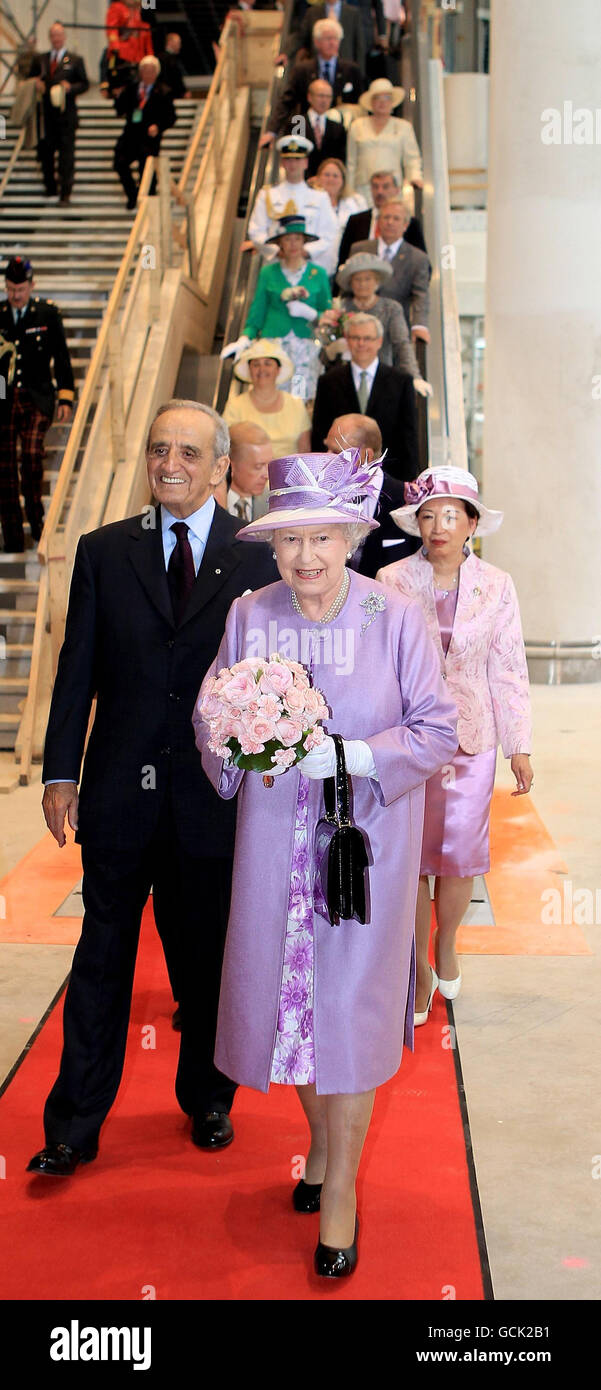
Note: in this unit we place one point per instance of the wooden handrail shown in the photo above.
(12, 161)
(208, 112)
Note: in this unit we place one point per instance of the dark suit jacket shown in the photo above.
(158, 110)
(410, 280)
(333, 146)
(293, 100)
(391, 403)
(122, 645)
(352, 46)
(71, 69)
(358, 229)
(374, 553)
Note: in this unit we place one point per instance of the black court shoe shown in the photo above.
(336, 1264)
(307, 1196)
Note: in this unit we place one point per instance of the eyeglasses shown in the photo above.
(354, 338)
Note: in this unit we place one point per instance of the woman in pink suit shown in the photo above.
(472, 613)
(304, 1002)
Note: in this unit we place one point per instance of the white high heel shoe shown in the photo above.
(450, 988)
(420, 1018)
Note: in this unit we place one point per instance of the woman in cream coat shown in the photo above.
(472, 613)
(379, 141)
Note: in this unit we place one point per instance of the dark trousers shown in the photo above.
(131, 148)
(191, 903)
(20, 421)
(59, 137)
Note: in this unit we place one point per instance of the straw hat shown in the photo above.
(363, 260)
(381, 87)
(444, 481)
(264, 347)
(316, 490)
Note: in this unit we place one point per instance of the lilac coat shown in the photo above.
(383, 685)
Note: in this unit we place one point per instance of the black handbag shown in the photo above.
(340, 852)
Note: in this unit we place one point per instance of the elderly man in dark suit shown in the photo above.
(147, 610)
(345, 78)
(363, 226)
(388, 543)
(61, 78)
(147, 104)
(367, 386)
(410, 279)
(328, 136)
(352, 43)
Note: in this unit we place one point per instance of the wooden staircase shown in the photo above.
(76, 252)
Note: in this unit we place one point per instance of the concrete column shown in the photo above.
(542, 438)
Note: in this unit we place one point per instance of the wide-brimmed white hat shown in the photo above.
(317, 490)
(363, 260)
(381, 87)
(444, 481)
(264, 347)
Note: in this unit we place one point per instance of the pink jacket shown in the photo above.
(485, 665)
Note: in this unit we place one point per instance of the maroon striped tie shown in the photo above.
(180, 571)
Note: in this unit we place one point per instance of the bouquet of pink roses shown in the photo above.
(263, 712)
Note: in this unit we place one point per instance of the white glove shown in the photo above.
(300, 310)
(234, 349)
(275, 770)
(321, 761)
(422, 387)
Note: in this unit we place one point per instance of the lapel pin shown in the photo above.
(217, 571)
(477, 592)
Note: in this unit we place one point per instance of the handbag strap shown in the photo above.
(335, 789)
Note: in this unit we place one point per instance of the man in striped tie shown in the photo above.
(251, 453)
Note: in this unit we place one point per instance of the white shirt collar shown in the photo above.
(199, 522)
(371, 372)
(394, 248)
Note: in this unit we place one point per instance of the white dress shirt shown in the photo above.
(199, 525)
(371, 372)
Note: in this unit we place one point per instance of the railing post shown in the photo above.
(192, 238)
(116, 389)
(165, 210)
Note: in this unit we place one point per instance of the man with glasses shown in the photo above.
(366, 386)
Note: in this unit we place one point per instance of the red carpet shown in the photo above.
(155, 1217)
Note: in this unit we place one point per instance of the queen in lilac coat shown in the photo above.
(327, 1007)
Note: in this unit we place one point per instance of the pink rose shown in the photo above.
(248, 665)
(240, 690)
(232, 728)
(209, 707)
(294, 700)
(276, 678)
(261, 729)
(249, 746)
(288, 732)
(284, 757)
(312, 700)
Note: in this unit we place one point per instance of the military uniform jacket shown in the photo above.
(42, 354)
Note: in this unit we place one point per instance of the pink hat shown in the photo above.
(316, 490)
(444, 481)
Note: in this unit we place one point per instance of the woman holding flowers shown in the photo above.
(305, 1002)
(291, 293)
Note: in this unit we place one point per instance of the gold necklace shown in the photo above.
(334, 608)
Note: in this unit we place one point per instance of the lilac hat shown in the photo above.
(316, 489)
(444, 481)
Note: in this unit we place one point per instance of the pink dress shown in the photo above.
(458, 796)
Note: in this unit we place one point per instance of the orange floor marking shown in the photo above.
(525, 864)
(33, 891)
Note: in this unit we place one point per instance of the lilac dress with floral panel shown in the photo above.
(294, 1052)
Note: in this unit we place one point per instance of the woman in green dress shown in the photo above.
(291, 294)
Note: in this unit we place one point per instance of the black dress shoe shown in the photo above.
(59, 1160)
(176, 1020)
(212, 1131)
(336, 1264)
(307, 1196)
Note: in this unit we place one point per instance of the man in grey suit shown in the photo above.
(410, 266)
(352, 46)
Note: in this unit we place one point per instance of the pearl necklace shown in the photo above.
(445, 592)
(334, 608)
